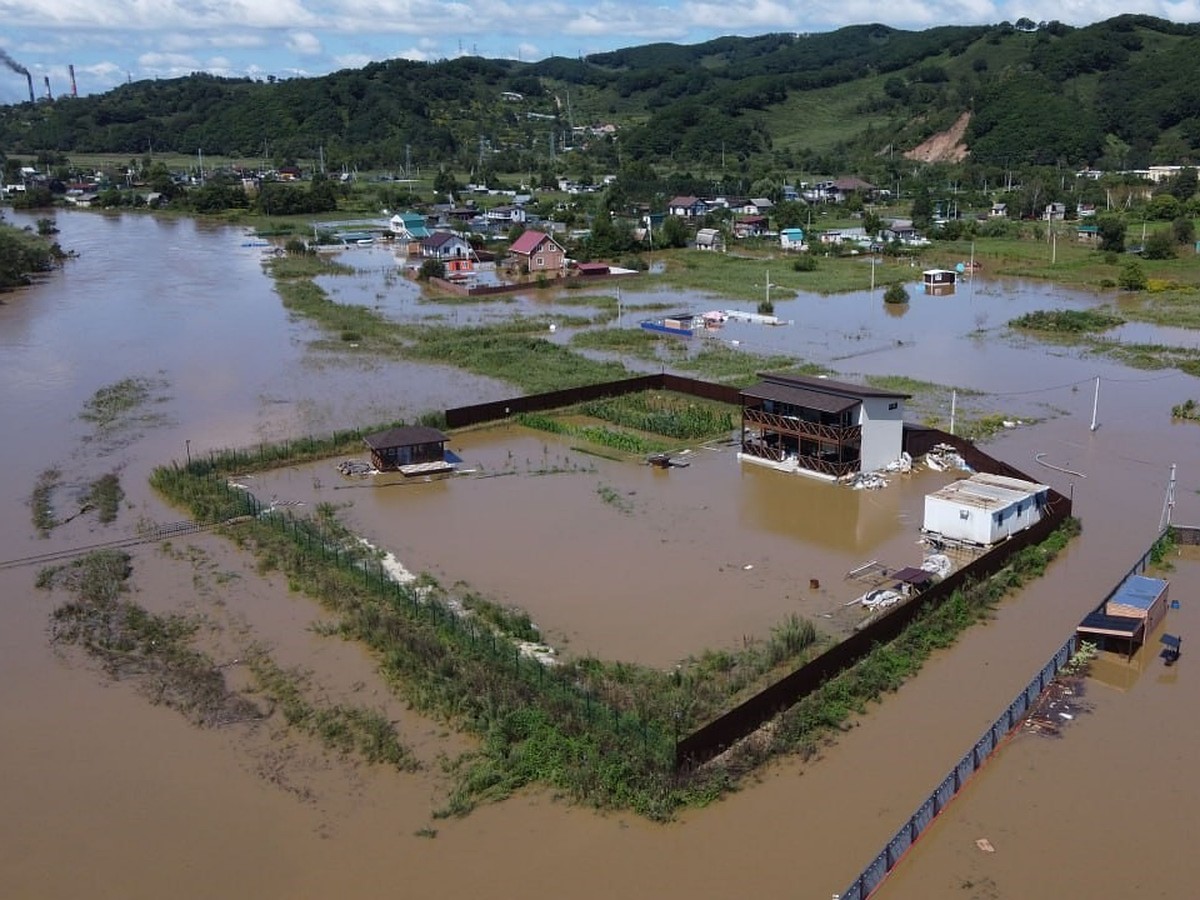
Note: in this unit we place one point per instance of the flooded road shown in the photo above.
(104, 789)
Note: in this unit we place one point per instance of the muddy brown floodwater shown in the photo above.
(109, 795)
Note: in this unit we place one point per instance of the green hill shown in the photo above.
(1120, 92)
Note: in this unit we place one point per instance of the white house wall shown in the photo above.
(882, 431)
(975, 524)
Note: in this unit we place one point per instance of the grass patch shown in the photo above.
(614, 498)
(132, 643)
(1067, 321)
(744, 276)
(635, 342)
(612, 438)
(670, 415)
(105, 495)
(721, 363)
(41, 501)
(341, 727)
(1188, 410)
(1177, 307)
(121, 405)
(510, 351)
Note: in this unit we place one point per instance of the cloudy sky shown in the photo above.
(110, 41)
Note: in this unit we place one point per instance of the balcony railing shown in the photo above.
(844, 434)
(813, 463)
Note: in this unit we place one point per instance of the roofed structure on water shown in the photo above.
(819, 426)
(407, 446)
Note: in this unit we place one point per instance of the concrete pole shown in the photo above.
(1096, 403)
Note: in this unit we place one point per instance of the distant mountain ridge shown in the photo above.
(1122, 91)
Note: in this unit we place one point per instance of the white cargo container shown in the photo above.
(983, 509)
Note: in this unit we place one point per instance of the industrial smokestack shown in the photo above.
(49, 93)
(19, 69)
(71, 70)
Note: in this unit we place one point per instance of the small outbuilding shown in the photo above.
(410, 449)
(1128, 616)
(983, 509)
(938, 282)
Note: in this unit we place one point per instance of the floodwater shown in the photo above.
(103, 789)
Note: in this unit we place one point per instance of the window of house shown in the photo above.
(964, 514)
(892, 406)
(539, 261)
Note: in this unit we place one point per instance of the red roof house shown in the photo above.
(538, 252)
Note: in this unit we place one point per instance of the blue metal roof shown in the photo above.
(1139, 591)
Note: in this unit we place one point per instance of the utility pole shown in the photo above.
(1168, 502)
(953, 408)
(1095, 403)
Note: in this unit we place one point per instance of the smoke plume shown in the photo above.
(13, 64)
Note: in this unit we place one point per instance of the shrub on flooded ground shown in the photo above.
(1067, 321)
(159, 652)
(105, 495)
(41, 501)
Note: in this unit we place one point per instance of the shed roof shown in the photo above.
(1138, 591)
(912, 575)
(1102, 623)
(984, 490)
(404, 436)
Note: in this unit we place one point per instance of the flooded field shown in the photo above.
(104, 788)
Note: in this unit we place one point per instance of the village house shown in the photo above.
(450, 249)
(792, 239)
(820, 427)
(757, 206)
(409, 449)
(1055, 212)
(710, 239)
(750, 226)
(998, 211)
(939, 282)
(901, 230)
(505, 216)
(687, 207)
(536, 251)
(409, 227)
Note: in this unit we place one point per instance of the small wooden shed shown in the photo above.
(938, 282)
(1129, 616)
(408, 449)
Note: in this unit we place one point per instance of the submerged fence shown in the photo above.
(873, 875)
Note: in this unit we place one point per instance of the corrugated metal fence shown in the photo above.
(873, 875)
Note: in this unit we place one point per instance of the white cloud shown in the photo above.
(167, 60)
(304, 42)
(352, 60)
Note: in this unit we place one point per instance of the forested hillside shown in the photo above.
(1121, 93)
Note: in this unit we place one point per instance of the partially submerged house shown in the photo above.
(450, 249)
(820, 427)
(1128, 616)
(939, 282)
(983, 509)
(409, 449)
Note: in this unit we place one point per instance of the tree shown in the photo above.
(432, 268)
(673, 233)
(1132, 277)
(922, 209)
(895, 293)
(1184, 230)
(1112, 233)
(1183, 186)
(1159, 245)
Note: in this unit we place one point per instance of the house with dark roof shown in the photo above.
(536, 251)
(710, 239)
(687, 207)
(409, 449)
(449, 248)
(820, 427)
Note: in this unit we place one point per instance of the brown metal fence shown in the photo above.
(877, 870)
(742, 720)
(462, 416)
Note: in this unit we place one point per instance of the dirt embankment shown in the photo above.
(945, 146)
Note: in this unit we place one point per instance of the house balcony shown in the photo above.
(812, 463)
(790, 425)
